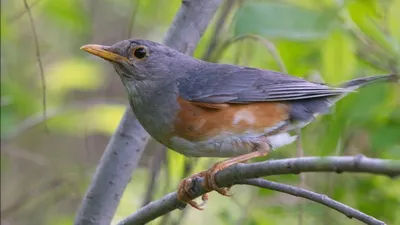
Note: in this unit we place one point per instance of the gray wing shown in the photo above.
(216, 83)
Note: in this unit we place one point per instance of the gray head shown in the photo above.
(142, 60)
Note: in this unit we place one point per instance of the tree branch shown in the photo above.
(39, 59)
(126, 145)
(319, 198)
(239, 172)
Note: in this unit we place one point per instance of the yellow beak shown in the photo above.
(100, 51)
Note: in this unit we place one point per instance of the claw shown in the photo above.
(186, 192)
(204, 199)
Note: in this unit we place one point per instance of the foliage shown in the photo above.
(46, 171)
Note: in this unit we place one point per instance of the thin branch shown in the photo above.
(302, 176)
(156, 164)
(312, 196)
(227, 7)
(18, 15)
(269, 45)
(234, 174)
(39, 59)
(126, 145)
(37, 119)
(131, 19)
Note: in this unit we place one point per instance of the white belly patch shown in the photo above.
(229, 146)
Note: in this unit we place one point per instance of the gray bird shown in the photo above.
(204, 109)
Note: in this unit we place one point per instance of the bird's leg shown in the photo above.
(184, 192)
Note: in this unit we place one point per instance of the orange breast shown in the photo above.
(201, 121)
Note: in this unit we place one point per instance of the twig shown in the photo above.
(37, 119)
(269, 45)
(302, 176)
(39, 60)
(126, 145)
(32, 193)
(247, 208)
(227, 7)
(234, 174)
(312, 196)
(25, 155)
(18, 15)
(188, 165)
(156, 164)
(131, 19)
(330, 179)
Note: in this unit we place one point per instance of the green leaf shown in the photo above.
(366, 14)
(386, 137)
(338, 59)
(282, 21)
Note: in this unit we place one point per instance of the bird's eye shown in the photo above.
(140, 52)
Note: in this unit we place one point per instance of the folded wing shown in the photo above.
(218, 83)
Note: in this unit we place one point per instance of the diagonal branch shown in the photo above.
(126, 145)
(239, 172)
(319, 198)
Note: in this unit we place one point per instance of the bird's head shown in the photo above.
(142, 60)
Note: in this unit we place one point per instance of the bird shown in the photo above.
(204, 109)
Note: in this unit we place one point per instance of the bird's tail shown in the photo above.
(355, 84)
(360, 82)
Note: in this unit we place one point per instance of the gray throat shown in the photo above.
(155, 110)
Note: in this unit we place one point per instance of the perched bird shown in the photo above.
(203, 109)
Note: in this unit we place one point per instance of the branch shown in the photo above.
(226, 9)
(39, 58)
(319, 198)
(239, 172)
(269, 45)
(126, 145)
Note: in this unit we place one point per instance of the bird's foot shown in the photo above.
(186, 190)
(186, 187)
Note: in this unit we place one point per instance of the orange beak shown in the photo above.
(101, 51)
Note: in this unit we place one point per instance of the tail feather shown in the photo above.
(304, 111)
(360, 82)
(355, 84)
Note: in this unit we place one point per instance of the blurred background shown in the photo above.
(47, 164)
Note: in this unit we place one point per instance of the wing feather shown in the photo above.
(221, 83)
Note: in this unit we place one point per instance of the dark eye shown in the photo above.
(140, 52)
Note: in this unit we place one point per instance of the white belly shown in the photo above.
(228, 146)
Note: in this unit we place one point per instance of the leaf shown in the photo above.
(274, 20)
(338, 59)
(366, 14)
(386, 137)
